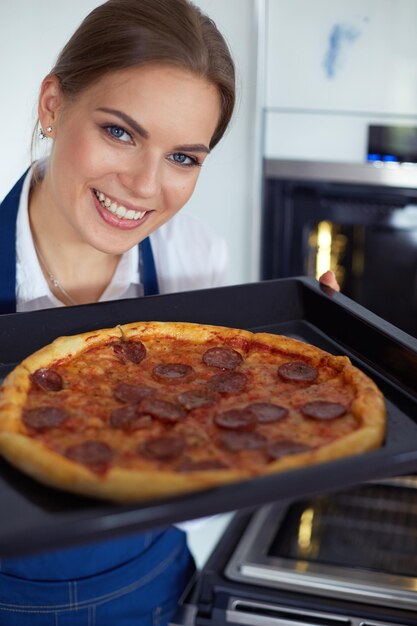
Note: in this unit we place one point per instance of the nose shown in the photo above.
(141, 176)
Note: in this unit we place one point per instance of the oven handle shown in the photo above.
(249, 613)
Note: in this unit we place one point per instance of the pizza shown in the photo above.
(154, 409)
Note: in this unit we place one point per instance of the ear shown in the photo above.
(50, 103)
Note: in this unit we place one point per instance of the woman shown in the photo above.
(136, 84)
(138, 98)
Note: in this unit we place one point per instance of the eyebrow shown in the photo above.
(198, 147)
(128, 120)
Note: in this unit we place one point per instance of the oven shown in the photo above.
(348, 558)
(359, 219)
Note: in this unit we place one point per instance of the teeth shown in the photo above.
(120, 211)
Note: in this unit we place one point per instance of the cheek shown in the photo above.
(180, 190)
(80, 155)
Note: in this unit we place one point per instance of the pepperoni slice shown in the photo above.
(172, 372)
(223, 358)
(95, 454)
(126, 418)
(278, 449)
(162, 448)
(297, 371)
(238, 441)
(132, 394)
(161, 410)
(236, 419)
(227, 382)
(44, 417)
(201, 466)
(267, 412)
(133, 351)
(321, 410)
(47, 379)
(194, 399)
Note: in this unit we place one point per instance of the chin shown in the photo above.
(114, 248)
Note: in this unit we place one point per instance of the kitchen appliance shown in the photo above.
(359, 219)
(343, 559)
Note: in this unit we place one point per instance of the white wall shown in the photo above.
(32, 33)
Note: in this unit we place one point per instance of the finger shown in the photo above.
(329, 279)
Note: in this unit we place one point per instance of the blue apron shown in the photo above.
(132, 581)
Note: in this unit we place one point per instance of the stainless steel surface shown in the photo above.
(388, 174)
(262, 614)
(251, 563)
(401, 481)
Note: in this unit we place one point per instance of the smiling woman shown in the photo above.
(136, 101)
(138, 98)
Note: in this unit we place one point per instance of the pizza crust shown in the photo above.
(124, 485)
(66, 347)
(45, 465)
(196, 333)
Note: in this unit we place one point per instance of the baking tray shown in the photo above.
(35, 518)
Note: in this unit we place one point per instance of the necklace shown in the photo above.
(52, 279)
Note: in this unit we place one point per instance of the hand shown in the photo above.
(329, 279)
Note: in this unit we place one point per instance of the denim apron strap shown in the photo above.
(8, 216)
(147, 270)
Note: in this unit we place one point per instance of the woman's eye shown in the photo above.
(184, 159)
(117, 132)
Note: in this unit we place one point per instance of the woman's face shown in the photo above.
(127, 153)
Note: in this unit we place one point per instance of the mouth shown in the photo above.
(118, 210)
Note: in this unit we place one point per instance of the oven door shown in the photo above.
(286, 566)
(366, 235)
(359, 545)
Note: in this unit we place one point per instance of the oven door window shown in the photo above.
(375, 265)
(347, 529)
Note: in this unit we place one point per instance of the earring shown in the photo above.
(42, 134)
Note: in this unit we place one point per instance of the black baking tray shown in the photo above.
(35, 518)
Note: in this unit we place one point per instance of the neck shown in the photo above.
(76, 272)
